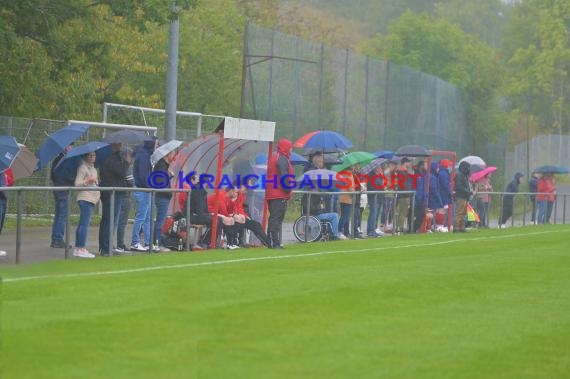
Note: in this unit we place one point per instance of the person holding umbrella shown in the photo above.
(483, 199)
(141, 171)
(60, 179)
(162, 200)
(87, 199)
(545, 197)
(113, 174)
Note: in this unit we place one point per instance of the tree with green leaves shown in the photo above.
(440, 48)
(537, 52)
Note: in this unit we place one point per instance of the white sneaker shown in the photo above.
(232, 247)
(139, 247)
(3, 253)
(379, 232)
(119, 250)
(155, 248)
(163, 249)
(341, 236)
(82, 253)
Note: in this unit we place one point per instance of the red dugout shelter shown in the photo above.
(234, 140)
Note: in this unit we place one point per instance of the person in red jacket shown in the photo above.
(276, 194)
(230, 227)
(235, 205)
(546, 191)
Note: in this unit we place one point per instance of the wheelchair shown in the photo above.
(311, 229)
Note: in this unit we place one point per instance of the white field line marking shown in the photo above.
(240, 260)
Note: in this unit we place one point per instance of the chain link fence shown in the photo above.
(304, 86)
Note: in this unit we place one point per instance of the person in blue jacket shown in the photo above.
(141, 171)
(444, 182)
(434, 197)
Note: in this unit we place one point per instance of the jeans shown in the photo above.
(344, 222)
(142, 218)
(544, 211)
(162, 204)
(104, 232)
(123, 220)
(333, 219)
(372, 223)
(60, 216)
(85, 213)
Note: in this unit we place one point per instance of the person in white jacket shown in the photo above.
(87, 199)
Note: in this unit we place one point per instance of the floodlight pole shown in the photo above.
(172, 75)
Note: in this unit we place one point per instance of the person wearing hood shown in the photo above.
(509, 199)
(434, 198)
(276, 194)
(141, 170)
(462, 194)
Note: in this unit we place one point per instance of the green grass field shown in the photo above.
(489, 304)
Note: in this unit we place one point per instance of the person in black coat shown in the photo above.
(509, 199)
(463, 192)
(113, 174)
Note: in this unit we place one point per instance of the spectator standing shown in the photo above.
(113, 174)
(484, 199)
(126, 155)
(141, 172)
(462, 194)
(509, 199)
(545, 198)
(87, 199)
(61, 210)
(276, 194)
(533, 189)
(162, 201)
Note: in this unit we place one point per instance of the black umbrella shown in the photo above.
(552, 169)
(412, 151)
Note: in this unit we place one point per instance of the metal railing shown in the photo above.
(518, 203)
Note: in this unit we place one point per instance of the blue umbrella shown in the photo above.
(296, 159)
(10, 149)
(552, 169)
(324, 140)
(56, 142)
(68, 165)
(387, 154)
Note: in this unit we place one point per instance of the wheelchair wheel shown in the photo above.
(307, 229)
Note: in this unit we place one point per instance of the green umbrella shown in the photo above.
(351, 159)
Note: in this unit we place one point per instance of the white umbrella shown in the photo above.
(163, 150)
(474, 160)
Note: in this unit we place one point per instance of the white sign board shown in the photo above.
(253, 130)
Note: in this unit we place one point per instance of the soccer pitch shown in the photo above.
(487, 304)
